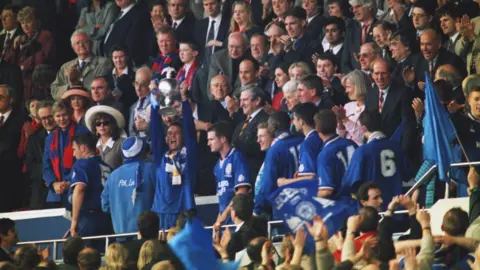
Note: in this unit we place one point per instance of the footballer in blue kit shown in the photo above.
(281, 161)
(380, 160)
(231, 170)
(87, 179)
(303, 114)
(174, 157)
(334, 159)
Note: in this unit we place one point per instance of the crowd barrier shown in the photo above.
(107, 238)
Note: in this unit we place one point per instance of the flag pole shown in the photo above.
(463, 149)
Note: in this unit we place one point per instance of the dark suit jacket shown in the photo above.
(4, 257)
(131, 31)
(184, 31)
(12, 75)
(315, 27)
(254, 227)
(336, 92)
(33, 161)
(305, 48)
(353, 41)
(201, 31)
(411, 61)
(443, 57)
(396, 108)
(125, 84)
(10, 164)
(9, 55)
(246, 142)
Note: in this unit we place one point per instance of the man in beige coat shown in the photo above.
(82, 70)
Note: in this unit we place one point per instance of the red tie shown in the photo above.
(380, 101)
(364, 33)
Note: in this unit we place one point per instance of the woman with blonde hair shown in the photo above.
(116, 256)
(357, 84)
(298, 70)
(151, 251)
(242, 19)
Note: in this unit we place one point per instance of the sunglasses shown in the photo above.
(104, 123)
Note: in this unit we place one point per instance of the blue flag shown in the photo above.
(194, 248)
(439, 132)
(297, 204)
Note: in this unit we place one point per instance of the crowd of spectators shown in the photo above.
(113, 108)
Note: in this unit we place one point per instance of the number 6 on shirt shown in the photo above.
(387, 163)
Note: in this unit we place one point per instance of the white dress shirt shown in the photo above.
(217, 20)
(5, 116)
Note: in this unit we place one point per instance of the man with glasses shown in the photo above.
(361, 30)
(82, 70)
(34, 157)
(369, 52)
(227, 62)
(137, 124)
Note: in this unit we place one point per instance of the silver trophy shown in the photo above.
(169, 98)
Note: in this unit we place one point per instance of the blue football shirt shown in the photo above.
(230, 173)
(309, 149)
(332, 162)
(380, 160)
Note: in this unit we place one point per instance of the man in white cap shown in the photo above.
(130, 189)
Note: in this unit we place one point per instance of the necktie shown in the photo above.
(7, 44)
(1, 121)
(140, 104)
(8, 39)
(381, 99)
(110, 28)
(81, 65)
(430, 68)
(245, 124)
(450, 45)
(364, 32)
(330, 50)
(210, 37)
(174, 26)
(211, 31)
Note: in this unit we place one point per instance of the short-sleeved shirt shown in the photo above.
(332, 162)
(309, 149)
(91, 172)
(380, 160)
(230, 173)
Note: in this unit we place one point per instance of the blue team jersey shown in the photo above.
(382, 161)
(91, 172)
(332, 162)
(309, 149)
(175, 173)
(230, 173)
(281, 160)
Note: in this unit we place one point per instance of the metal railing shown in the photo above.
(417, 184)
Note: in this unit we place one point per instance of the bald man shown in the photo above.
(393, 103)
(434, 56)
(137, 125)
(227, 61)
